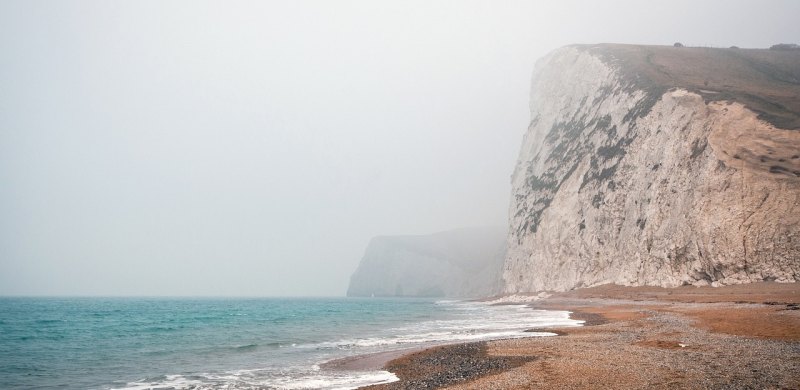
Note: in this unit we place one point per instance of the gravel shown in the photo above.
(640, 345)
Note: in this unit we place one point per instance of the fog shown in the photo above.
(254, 148)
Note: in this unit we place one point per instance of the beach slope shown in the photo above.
(744, 336)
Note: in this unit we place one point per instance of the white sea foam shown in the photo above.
(483, 322)
(518, 299)
(338, 382)
(243, 379)
(169, 382)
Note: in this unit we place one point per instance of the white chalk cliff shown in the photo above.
(657, 166)
(458, 263)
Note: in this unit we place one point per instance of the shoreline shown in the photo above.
(740, 336)
(370, 361)
(379, 361)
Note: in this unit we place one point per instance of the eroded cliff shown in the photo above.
(657, 166)
(457, 263)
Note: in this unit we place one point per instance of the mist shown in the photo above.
(254, 148)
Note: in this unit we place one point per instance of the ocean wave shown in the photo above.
(248, 379)
(436, 337)
(488, 323)
(241, 352)
(49, 321)
(247, 347)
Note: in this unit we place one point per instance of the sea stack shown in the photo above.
(661, 166)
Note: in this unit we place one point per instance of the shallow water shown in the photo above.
(164, 343)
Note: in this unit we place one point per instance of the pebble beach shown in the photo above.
(735, 337)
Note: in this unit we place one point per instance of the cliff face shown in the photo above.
(458, 263)
(657, 166)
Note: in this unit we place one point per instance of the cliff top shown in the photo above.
(766, 81)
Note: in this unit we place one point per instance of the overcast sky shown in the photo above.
(254, 148)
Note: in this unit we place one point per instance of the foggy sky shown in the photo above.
(254, 148)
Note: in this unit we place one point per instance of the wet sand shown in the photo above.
(368, 362)
(744, 336)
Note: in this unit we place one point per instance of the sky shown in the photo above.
(238, 148)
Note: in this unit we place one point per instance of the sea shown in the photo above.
(233, 343)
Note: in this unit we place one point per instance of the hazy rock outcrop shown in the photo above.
(657, 166)
(457, 263)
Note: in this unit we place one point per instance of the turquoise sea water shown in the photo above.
(165, 343)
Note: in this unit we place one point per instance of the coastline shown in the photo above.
(744, 336)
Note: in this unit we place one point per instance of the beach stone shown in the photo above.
(444, 366)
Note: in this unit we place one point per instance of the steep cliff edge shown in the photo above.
(458, 263)
(662, 166)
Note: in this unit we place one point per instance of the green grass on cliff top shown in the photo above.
(766, 81)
